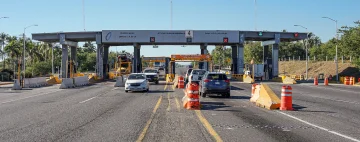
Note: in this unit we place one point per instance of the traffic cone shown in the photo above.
(316, 81)
(286, 98)
(326, 81)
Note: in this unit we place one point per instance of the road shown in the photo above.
(102, 112)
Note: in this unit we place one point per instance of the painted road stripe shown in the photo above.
(177, 103)
(208, 126)
(147, 125)
(88, 100)
(29, 97)
(321, 128)
(168, 96)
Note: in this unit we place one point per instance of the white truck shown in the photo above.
(258, 70)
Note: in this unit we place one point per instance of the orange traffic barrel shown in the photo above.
(316, 81)
(191, 99)
(253, 87)
(181, 82)
(326, 81)
(347, 80)
(286, 98)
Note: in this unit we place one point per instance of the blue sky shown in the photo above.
(273, 15)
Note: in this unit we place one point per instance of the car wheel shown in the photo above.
(147, 90)
(126, 91)
(157, 82)
(203, 95)
(227, 95)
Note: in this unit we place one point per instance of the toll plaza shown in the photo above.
(136, 38)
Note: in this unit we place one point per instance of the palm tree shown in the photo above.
(3, 38)
(13, 48)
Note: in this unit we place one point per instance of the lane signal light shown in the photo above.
(260, 33)
(152, 39)
(296, 34)
(225, 40)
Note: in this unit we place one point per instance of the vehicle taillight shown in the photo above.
(206, 80)
(227, 81)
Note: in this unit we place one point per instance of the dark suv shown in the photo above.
(215, 83)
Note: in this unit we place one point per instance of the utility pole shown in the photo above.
(83, 8)
(171, 14)
(336, 47)
(255, 13)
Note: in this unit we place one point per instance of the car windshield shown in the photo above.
(216, 77)
(136, 76)
(199, 72)
(150, 71)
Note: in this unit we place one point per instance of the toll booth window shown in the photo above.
(217, 77)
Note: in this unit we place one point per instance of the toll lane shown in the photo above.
(324, 114)
(112, 116)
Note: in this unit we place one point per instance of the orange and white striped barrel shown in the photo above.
(253, 87)
(286, 98)
(181, 82)
(316, 81)
(347, 80)
(326, 81)
(351, 81)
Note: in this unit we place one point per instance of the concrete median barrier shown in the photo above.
(120, 81)
(265, 97)
(16, 85)
(175, 81)
(35, 82)
(248, 79)
(67, 83)
(289, 80)
(81, 81)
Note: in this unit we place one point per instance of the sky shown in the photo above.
(272, 15)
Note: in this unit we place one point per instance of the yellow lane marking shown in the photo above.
(143, 133)
(177, 103)
(208, 126)
(166, 85)
(168, 96)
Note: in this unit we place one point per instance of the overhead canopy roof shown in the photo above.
(168, 37)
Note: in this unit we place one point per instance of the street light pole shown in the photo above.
(306, 49)
(24, 52)
(336, 47)
(3, 44)
(52, 59)
(255, 3)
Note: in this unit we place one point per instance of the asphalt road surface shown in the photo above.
(102, 112)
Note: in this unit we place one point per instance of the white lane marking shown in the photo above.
(88, 100)
(28, 97)
(337, 89)
(96, 96)
(319, 127)
(336, 100)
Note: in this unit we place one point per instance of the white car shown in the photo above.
(152, 75)
(137, 82)
(196, 75)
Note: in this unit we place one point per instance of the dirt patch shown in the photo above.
(315, 68)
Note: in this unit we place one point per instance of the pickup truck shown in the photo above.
(152, 75)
